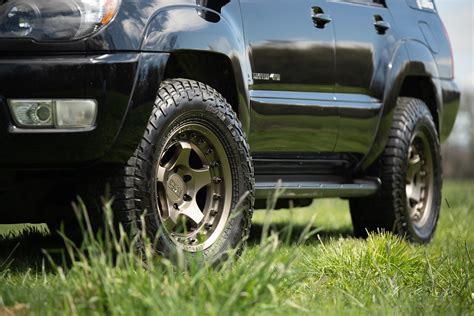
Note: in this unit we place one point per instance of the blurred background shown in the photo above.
(458, 151)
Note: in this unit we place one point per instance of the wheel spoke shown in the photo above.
(415, 195)
(193, 212)
(414, 167)
(171, 220)
(161, 174)
(181, 157)
(202, 177)
(170, 223)
(415, 215)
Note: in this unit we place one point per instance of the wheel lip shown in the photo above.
(427, 156)
(226, 170)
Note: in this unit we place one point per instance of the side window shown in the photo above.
(425, 5)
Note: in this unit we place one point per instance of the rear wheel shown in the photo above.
(410, 168)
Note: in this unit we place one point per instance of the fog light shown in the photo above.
(75, 113)
(61, 113)
(32, 113)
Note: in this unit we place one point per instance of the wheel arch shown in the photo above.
(177, 41)
(206, 44)
(412, 73)
(422, 88)
(212, 69)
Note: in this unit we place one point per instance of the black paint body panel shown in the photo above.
(337, 83)
(116, 81)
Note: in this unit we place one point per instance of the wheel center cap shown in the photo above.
(175, 188)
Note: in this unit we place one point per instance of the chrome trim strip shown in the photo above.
(292, 95)
(314, 96)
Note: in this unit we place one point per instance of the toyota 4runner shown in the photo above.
(193, 112)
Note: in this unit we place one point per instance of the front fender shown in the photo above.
(151, 67)
(200, 28)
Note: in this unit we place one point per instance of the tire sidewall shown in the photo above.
(423, 123)
(212, 116)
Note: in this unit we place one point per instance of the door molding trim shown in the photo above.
(255, 95)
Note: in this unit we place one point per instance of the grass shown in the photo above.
(326, 272)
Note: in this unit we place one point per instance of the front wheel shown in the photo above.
(410, 168)
(192, 174)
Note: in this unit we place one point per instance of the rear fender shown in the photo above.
(412, 58)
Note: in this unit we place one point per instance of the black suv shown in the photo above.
(189, 113)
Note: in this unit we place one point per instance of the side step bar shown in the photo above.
(317, 189)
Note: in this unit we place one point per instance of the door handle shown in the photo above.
(320, 19)
(381, 26)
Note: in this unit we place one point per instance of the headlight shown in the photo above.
(55, 20)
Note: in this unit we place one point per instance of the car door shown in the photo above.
(365, 42)
(292, 52)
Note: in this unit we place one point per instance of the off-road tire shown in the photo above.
(389, 209)
(181, 101)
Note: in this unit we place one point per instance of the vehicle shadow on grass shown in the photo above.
(296, 233)
(33, 250)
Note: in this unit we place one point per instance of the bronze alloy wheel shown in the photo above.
(419, 179)
(189, 186)
(409, 200)
(193, 187)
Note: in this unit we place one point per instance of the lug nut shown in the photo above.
(217, 179)
(215, 164)
(187, 198)
(217, 196)
(176, 207)
(209, 151)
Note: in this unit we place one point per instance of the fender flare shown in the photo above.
(199, 28)
(412, 58)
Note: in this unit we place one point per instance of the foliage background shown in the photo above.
(458, 152)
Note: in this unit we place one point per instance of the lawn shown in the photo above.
(311, 266)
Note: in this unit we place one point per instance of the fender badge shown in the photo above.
(268, 77)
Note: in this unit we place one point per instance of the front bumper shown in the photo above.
(120, 82)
